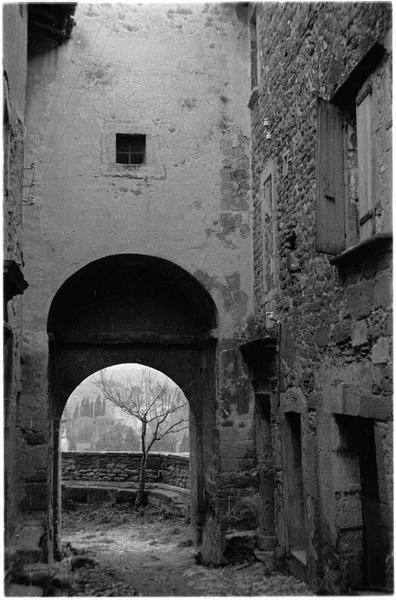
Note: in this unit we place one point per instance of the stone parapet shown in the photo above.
(173, 469)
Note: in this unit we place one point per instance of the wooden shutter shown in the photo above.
(365, 163)
(330, 220)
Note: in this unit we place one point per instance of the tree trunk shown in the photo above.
(140, 496)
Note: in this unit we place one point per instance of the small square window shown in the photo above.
(130, 149)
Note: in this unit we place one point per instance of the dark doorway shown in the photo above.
(265, 469)
(375, 542)
(295, 486)
(358, 439)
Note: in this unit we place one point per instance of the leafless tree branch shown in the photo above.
(154, 403)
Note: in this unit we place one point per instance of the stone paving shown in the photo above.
(149, 554)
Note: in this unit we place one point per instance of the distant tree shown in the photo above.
(166, 444)
(118, 438)
(98, 407)
(154, 402)
(132, 440)
(85, 429)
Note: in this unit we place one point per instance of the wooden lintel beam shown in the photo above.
(124, 338)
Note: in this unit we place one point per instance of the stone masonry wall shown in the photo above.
(124, 466)
(335, 321)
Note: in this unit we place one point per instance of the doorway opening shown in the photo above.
(124, 448)
(364, 531)
(265, 469)
(295, 486)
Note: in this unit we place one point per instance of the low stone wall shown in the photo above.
(173, 469)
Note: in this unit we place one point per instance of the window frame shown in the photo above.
(350, 110)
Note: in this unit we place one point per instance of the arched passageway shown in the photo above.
(136, 309)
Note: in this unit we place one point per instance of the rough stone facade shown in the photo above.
(124, 466)
(248, 258)
(331, 314)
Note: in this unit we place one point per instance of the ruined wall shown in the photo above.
(124, 466)
(335, 320)
(14, 82)
(180, 76)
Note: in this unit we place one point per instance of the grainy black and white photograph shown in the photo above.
(197, 290)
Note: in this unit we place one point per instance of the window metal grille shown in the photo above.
(130, 149)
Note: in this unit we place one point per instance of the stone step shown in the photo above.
(48, 578)
(265, 541)
(36, 574)
(239, 543)
(100, 491)
(21, 591)
(266, 557)
(27, 542)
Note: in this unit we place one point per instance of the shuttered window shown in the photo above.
(346, 172)
(330, 179)
(365, 162)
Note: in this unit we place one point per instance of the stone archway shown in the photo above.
(136, 309)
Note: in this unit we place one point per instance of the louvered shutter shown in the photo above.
(330, 180)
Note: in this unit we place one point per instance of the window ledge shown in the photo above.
(373, 246)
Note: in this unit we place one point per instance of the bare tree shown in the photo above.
(154, 402)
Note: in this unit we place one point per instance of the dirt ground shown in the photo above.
(148, 553)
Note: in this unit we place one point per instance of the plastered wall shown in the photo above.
(179, 75)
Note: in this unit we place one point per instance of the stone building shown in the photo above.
(210, 197)
(321, 200)
(136, 238)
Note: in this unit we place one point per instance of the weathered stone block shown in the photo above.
(237, 450)
(20, 591)
(383, 289)
(359, 298)
(380, 352)
(36, 497)
(321, 336)
(349, 511)
(359, 334)
(342, 332)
